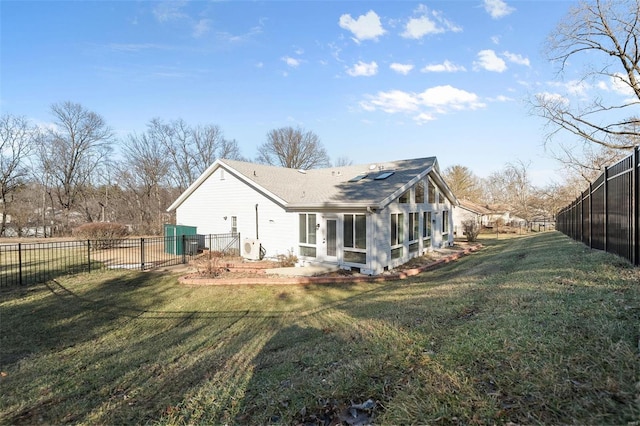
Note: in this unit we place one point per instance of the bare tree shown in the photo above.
(293, 148)
(191, 150)
(342, 161)
(584, 164)
(513, 188)
(210, 144)
(463, 182)
(606, 32)
(16, 143)
(551, 198)
(143, 174)
(71, 154)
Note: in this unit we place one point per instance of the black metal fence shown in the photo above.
(30, 263)
(606, 216)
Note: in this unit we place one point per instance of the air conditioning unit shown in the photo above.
(251, 249)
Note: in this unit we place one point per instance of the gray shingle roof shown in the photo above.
(330, 187)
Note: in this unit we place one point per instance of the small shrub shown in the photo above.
(287, 260)
(471, 230)
(211, 265)
(104, 235)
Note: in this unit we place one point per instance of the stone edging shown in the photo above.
(280, 280)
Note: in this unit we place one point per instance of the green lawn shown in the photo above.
(531, 329)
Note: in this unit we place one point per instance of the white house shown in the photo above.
(369, 218)
(467, 210)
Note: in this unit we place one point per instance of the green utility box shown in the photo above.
(173, 241)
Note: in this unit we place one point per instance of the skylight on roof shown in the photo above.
(359, 177)
(383, 175)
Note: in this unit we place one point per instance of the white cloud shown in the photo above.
(446, 66)
(620, 84)
(424, 117)
(419, 27)
(422, 25)
(403, 69)
(552, 98)
(392, 102)
(577, 88)
(201, 27)
(447, 97)
(489, 61)
(497, 8)
(241, 38)
(502, 98)
(365, 27)
(516, 58)
(292, 62)
(335, 52)
(617, 83)
(425, 105)
(169, 10)
(363, 69)
(495, 39)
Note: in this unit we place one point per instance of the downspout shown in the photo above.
(257, 222)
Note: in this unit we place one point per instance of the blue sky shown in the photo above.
(375, 80)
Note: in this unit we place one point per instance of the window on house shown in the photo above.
(358, 178)
(419, 192)
(413, 226)
(234, 225)
(440, 197)
(307, 229)
(414, 232)
(397, 235)
(426, 225)
(405, 198)
(383, 175)
(445, 222)
(432, 192)
(355, 238)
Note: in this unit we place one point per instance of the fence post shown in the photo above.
(591, 215)
(635, 207)
(142, 254)
(89, 255)
(184, 249)
(19, 263)
(606, 209)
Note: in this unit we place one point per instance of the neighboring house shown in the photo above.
(466, 210)
(369, 218)
(502, 215)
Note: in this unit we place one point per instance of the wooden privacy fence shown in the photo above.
(30, 263)
(606, 216)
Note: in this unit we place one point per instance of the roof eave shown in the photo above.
(194, 186)
(207, 173)
(342, 207)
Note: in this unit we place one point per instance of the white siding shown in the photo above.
(461, 214)
(224, 195)
(381, 255)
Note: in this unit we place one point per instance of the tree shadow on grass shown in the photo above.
(107, 354)
(307, 375)
(498, 318)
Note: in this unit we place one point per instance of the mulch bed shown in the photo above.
(240, 272)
